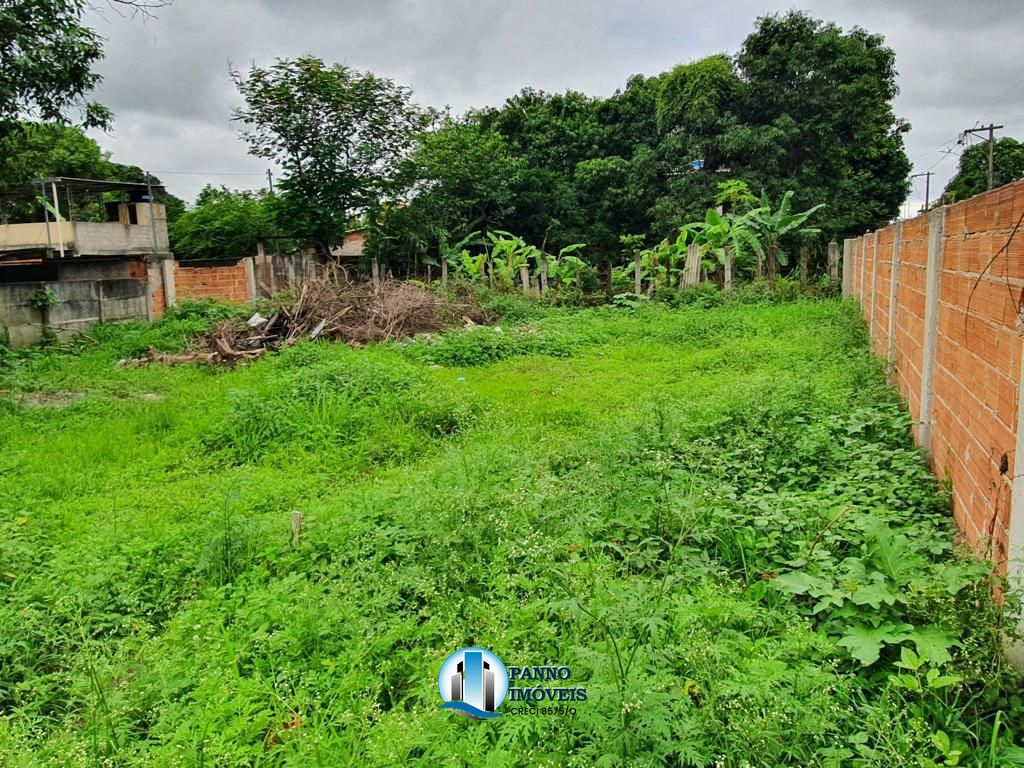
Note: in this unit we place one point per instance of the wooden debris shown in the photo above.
(327, 307)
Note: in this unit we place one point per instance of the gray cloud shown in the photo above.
(167, 78)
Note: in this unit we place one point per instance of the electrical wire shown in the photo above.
(205, 173)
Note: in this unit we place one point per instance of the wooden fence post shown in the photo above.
(805, 257)
(543, 274)
(637, 283)
(727, 278)
(375, 273)
(444, 271)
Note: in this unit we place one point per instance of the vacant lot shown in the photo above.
(715, 518)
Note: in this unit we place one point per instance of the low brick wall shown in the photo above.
(225, 281)
(941, 295)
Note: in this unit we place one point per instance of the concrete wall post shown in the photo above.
(894, 290)
(933, 272)
(848, 244)
(1015, 528)
(250, 277)
(170, 290)
(873, 296)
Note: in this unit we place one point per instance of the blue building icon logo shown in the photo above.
(473, 682)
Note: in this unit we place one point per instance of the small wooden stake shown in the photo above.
(296, 527)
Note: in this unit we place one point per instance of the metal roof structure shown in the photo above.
(70, 184)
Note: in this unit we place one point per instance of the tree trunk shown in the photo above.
(805, 257)
(543, 274)
(772, 263)
(727, 275)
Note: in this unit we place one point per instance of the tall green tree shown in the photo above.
(33, 150)
(465, 176)
(972, 173)
(47, 55)
(817, 118)
(223, 223)
(339, 134)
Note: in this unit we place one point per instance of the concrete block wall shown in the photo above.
(942, 295)
(86, 293)
(89, 292)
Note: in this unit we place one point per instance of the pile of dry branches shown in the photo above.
(328, 308)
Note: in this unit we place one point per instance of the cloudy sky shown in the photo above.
(960, 64)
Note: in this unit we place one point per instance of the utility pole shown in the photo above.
(277, 232)
(991, 145)
(927, 184)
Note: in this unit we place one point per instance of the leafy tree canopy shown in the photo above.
(972, 174)
(223, 223)
(339, 134)
(47, 56)
(32, 150)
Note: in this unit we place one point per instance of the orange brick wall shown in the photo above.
(227, 283)
(977, 355)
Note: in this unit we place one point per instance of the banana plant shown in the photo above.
(454, 254)
(720, 231)
(774, 225)
(566, 268)
(472, 266)
(654, 265)
(509, 254)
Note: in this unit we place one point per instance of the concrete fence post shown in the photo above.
(170, 288)
(1015, 527)
(873, 297)
(833, 261)
(863, 257)
(933, 273)
(848, 244)
(894, 289)
(250, 277)
(691, 270)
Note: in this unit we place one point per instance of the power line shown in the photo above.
(205, 173)
(930, 151)
(991, 129)
(1002, 98)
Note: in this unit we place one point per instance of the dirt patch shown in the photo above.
(49, 399)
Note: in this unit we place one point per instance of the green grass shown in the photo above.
(713, 516)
